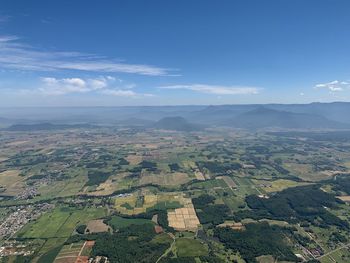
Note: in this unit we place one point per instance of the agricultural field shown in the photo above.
(137, 203)
(175, 196)
(186, 247)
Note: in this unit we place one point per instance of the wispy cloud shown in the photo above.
(104, 85)
(124, 93)
(16, 55)
(216, 89)
(334, 86)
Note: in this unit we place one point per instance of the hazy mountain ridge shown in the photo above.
(177, 124)
(268, 118)
(314, 115)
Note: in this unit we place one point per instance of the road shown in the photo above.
(331, 252)
(168, 250)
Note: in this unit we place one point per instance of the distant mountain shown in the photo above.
(268, 118)
(176, 124)
(46, 127)
(135, 122)
(219, 114)
(320, 114)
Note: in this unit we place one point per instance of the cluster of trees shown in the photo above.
(123, 161)
(342, 184)
(130, 244)
(305, 203)
(218, 168)
(208, 212)
(204, 259)
(96, 177)
(81, 229)
(257, 240)
(149, 166)
(174, 167)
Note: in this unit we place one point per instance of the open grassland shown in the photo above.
(68, 187)
(305, 172)
(134, 159)
(162, 239)
(338, 256)
(55, 227)
(347, 164)
(266, 259)
(96, 226)
(245, 186)
(277, 185)
(12, 182)
(210, 184)
(228, 180)
(60, 222)
(187, 247)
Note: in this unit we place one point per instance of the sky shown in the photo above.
(167, 52)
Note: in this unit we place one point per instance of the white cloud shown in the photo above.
(16, 55)
(101, 85)
(53, 86)
(334, 86)
(118, 92)
(215, 89)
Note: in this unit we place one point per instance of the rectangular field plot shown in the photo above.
(69, 253)
(75, 252)
(60, 222)
(184, 219)
(130, 204)
(228, 180)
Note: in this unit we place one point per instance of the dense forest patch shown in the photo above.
(96, 177)
(257, 240)
(129, 245)
(304, 203)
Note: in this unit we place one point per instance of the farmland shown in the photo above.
(174, 195)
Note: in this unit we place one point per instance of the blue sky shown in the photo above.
(111, 53)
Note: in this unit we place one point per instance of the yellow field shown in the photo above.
(345, 198)
(97, 226)
(134, 159)
(16, 143)
(279, 185)
(11, 180)
(184, 219)
(347, 164)
(3, 158)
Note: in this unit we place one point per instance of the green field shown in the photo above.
(186, 247)
(117, 222)
(60, 222)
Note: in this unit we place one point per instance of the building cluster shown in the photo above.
(14, 248)
(21, 216)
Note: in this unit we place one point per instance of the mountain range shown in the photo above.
(334, 115)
